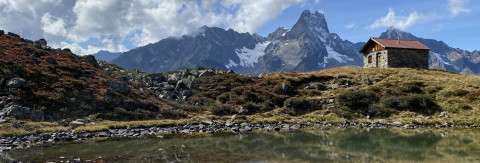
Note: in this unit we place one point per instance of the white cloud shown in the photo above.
(111, 21)
(456, 7)
(252, 14)
(400, 22)
(351, 26)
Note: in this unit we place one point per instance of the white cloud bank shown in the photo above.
(400, 22)
(111, 21)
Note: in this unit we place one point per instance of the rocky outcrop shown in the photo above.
(42, 43)
(17, 83)
(20, 112)
(175, 85)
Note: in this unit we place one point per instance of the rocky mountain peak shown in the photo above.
(393, 32)
(280, 32)
(313, 23)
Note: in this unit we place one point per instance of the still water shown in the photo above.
(336, 145)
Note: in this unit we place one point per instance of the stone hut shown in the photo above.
(394, 53)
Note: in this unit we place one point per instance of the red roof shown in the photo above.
(396, 43)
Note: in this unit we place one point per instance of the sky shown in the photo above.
(87, 26)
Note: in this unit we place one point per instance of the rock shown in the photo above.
(89, 59)
(2, 82)
(120, 86)
(367, 81)
(230, 72)
(23, 113)
(75, 124)
(2, 32)
(17, 83)
(51, 60)
(397, 124)
(444, 114)
(342, 76)
(429, 117)
(42, 43)
(260, 75)
(334, 86)
(208, 72)
(63, 122)
(231, 121)
(382, 121)
(12, 34)
(180, 85)
(285, 87)
(418, 120)
(325, 128)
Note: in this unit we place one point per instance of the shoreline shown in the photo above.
(208, 128)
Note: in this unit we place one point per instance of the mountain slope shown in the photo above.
(441, 55)
(212, 47)
(106, 55)
(40, 83)
(308, 46)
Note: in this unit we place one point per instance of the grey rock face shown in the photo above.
(17, 83)
(23, 113)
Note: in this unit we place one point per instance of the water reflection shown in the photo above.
(346, 145)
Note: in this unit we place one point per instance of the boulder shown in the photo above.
(2, 82)
(89, 59)
(51, 60)
(20, 112)
(208, 72)
(367, 81)
(2, 32)
(12, 34)
(42, 43)
(230, 72)
(76, 123)
(342, 76)
(120, 86)
(285, 87)
(63, 122)
(17, 83)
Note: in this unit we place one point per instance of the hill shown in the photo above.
(38, 83)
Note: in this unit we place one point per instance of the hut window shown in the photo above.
(369, 59)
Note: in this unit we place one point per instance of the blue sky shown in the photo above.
(351, 19)
(87, 26)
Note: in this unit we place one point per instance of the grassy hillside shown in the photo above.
(351, 93)
(63, 85)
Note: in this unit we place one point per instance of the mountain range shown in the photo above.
(307, 46)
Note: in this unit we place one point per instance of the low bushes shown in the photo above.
(299, 105)
(366, 103)
(456, 92)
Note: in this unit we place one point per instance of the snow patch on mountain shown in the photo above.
(250, 56)
(231, 64)
(439, 57)
(332, 54)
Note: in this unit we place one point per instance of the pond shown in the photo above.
(311, 145)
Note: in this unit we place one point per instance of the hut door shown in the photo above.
(379, 60)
